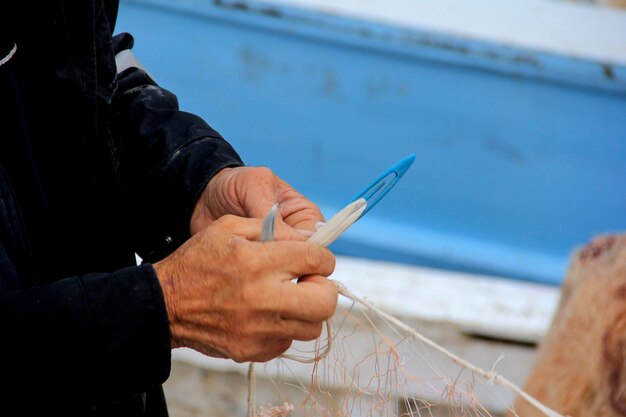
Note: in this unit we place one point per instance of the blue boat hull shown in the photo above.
(520, 155)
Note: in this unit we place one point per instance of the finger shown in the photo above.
(276, 326)
(260, 189)
(313, 300)
(296, 210)
(303, 330)
(285, 232)
(269, 349)
(250, 229)
(289, 260)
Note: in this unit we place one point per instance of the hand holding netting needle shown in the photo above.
(324, 236)
(327, 234)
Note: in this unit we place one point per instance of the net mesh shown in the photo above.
(368, 364)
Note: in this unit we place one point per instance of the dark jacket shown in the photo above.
(94, 167)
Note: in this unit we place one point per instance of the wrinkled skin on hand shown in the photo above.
(229, 295)
(251, 192)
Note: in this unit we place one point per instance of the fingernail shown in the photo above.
(319, 224)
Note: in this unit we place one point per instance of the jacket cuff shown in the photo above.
(131, 328)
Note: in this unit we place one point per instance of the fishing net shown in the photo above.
(368, 363)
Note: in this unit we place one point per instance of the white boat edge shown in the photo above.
(577, 30)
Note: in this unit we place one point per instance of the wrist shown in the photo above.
(202, 215)
(168, 282)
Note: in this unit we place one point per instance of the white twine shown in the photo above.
(251, 376)
(490, 376)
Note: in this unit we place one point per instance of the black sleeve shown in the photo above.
(167, 157)
(84, 340)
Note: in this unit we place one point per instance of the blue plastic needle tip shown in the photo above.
(403, 166)
(374, 192)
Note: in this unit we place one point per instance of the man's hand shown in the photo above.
(229, 295)
(251, 192)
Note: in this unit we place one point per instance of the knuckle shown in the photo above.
(238, 248)
(319, 260)
(264, 172)
(332, 261)
(312, 258)
(227, 221)
(240, 251)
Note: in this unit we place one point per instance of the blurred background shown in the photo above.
(516, 112)
(515, 109)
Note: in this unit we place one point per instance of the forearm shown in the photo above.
(166, 158)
